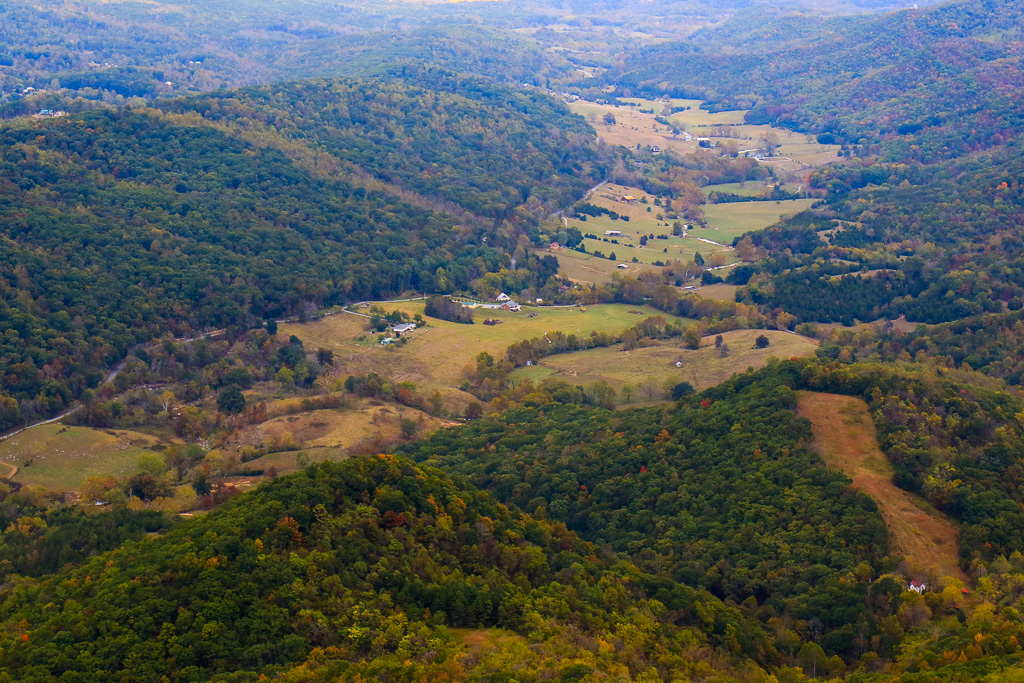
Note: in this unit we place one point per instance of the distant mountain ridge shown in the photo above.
(847, 77)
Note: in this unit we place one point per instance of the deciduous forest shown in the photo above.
(512, 341)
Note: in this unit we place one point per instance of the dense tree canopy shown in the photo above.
(359, 566)
(717, 492)
(220, 211)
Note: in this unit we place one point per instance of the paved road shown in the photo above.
(719, 244)
(595, 188)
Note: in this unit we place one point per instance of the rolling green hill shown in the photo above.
(360, 571)
(715, 492)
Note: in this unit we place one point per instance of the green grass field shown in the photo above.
(751, 188)
(643, 222)
(585, 267)
(435, 356)
(694, 116)
(654, 365)
(63, 457)
(726, 221)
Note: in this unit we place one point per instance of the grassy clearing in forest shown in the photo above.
(719, 292)
(727, 221)
(64, 457)
(844, 436)
(656, 365)
(645, 218)
(434, 357)
(795, 155)
(750, 188)
(329, 434)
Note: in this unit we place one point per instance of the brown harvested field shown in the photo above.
(580, 267)
(796, 154)
(844, 436)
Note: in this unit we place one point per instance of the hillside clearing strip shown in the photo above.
(844, 436)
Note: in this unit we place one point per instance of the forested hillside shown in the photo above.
(936, 243)
(360, 571)
(430, 132)
(118, 51)
(121, 51)
(934, 74)
(714, 545)
(922, 211)
(225, 209)
(716, 492)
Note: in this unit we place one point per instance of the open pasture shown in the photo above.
(799, 148)
(718, 292)
(728, 221)
(434, 357)
(725, 221)
(329, 434)
(653, 366)
(60, 458)
(663, 247)
(794, 156)
(689, 118)
(631, 128)
(580, 267)
(750, 188)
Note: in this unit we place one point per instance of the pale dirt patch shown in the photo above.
(845, 437)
